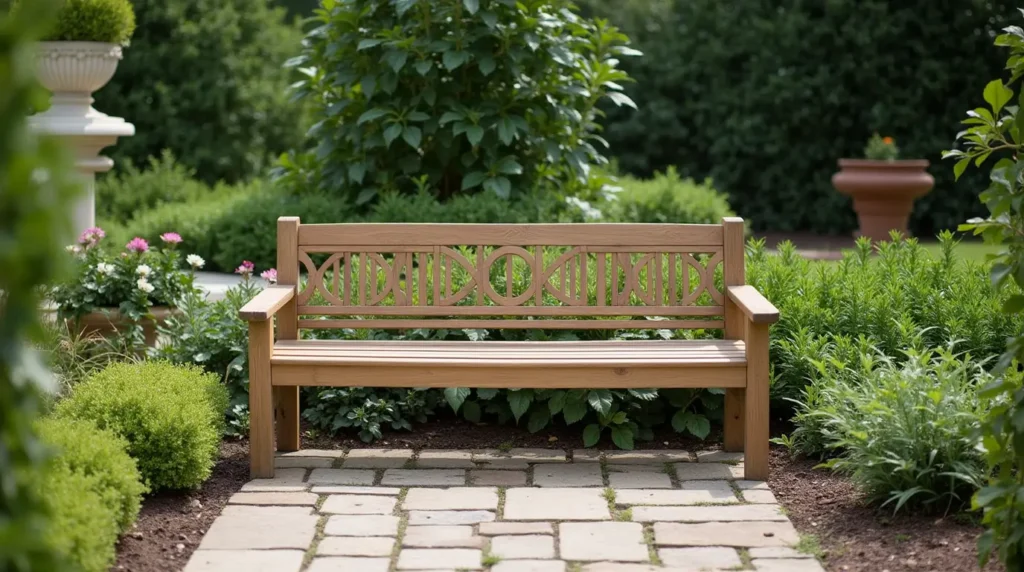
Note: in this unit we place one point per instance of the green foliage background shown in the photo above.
(764, 96)
(204, 78)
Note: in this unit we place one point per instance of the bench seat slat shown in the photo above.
(711, 353)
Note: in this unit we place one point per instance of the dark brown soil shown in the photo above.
(852, 537)
(172, 524)
(855, 538)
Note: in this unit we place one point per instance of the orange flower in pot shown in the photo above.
(883, 187)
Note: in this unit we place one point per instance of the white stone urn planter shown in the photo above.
(73, 71)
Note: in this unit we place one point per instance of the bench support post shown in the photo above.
(733, 274)
(286, 399)
(261, 405)
(755, 406)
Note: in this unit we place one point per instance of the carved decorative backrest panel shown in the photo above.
(509, 276)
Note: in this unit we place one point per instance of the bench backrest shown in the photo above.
(509, 275)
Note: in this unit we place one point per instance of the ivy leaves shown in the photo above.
(477, 95)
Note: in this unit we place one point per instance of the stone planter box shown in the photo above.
(109, 322)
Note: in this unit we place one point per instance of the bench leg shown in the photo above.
(286, 401)
(733, 420)
(755, 450)
(261, 403)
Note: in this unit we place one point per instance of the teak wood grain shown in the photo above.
(533, 276)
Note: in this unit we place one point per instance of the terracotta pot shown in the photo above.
(109, 321)
(883, 192)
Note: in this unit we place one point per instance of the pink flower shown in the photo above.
(270, 275)
(137, 245)
(245, 269)
(171, 237)
(91, 236)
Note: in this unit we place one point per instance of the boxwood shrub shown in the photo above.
(103, 457)
(110, 21)
(83, 528)
(171, 416)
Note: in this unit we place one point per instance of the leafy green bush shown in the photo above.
(370, 409)
(475, 94)
(890, 299)
(667, 198)
(110, 21)
(996, 128)
(83, 529)
(210, 335)
(102, 456)
(205, 80)
(905, 432)
(122, 194)
(736, 91)
(172, 417)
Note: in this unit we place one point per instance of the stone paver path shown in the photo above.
(524, 510)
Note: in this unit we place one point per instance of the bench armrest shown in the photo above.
(267, 303)
(756, 307)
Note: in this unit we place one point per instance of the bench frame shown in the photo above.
(747, 316)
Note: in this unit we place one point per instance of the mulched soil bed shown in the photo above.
(171, 525)
(852, 537)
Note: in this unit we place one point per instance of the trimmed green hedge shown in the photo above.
(92, 488)
(764, 97)
(171, 416)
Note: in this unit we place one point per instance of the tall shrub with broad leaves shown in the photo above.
(35, 189)
(996, 131)
(498, 95)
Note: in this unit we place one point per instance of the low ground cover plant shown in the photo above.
(171, 416)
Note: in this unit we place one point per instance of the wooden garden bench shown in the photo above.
(409, 276)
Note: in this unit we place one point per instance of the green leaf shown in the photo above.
(473, 179)
(368, 43)
(591, 435)
(412, 135)
(620, 99)
(489, 18)
(423, 66)
(486, 393)
(509, 166)
(506, 130)
(600, 400)
(417, 116)
(499, 186)
(519, 402)
(449, 116)
(679, 420)
(574, 410)
(486, 65)
(471, 5)
(475, 134)
(698, 425)
(455, 396)
(557, 402)
(370, 115)
(622, 436)
(471, 411)
(997, 95)
(454, 58)
(392, 132)
(356, 172)
(365, 196)
(960, 167)
(396, 59)
(539, 419)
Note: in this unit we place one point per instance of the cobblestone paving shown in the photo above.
(523, 510)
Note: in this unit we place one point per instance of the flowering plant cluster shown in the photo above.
(132, 280)
(881, 149)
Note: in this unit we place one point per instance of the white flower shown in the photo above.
(73, 249)
(144, 285)
(143, 270)
(105, 268)
(195, 261)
